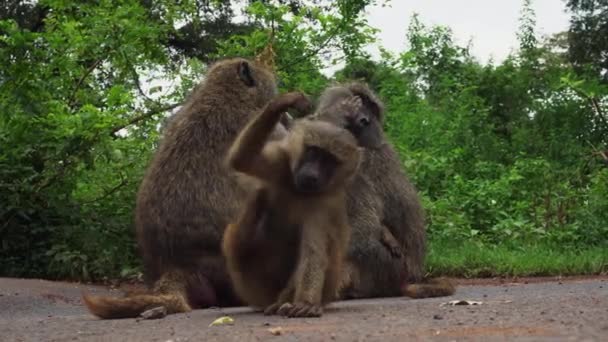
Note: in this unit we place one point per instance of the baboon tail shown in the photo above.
(435, 287)
(133, 306)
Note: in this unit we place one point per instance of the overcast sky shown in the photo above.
(492, 24)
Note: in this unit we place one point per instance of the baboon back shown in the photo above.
(187, 196)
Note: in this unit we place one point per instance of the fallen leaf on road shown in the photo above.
(224, 320)
(276, 331)
(462, 302)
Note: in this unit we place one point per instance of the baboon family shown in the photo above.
(241, 205)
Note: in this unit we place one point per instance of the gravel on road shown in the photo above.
(524, 310)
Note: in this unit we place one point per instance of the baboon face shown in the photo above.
(366, 126)
(323, 156)
(314, 170)
(355, 108)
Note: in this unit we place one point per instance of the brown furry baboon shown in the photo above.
(284, 253)
(188, 196)
(387, 250)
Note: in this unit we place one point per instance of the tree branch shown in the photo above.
(72, 97)
(136, 80)
(598, 109)
(310, 54)
(144, 116)
(595, 106)
(109, 192)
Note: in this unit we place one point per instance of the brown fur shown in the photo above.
(187, 195)
(168, 292)
(388, 227)
(285, 251)
(437, 287)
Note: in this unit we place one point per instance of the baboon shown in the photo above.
(387, 249)
(187, 195)
(285, 251)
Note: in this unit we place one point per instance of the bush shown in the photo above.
(504, 156)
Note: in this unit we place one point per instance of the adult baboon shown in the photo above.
(387, 249)
(187, 196)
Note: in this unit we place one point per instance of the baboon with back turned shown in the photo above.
(285, 251)
(187, 197)
(387, 249)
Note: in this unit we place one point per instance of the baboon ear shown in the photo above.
(244, 72)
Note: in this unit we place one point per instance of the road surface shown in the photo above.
(526, 310)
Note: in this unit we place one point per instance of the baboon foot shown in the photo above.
(272, 309)
(300, 310)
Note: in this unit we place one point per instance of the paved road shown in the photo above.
(566, 310)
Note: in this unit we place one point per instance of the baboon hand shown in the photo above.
(353, 103)
(389, 241)
(300, 309)
(296, 100)
(394, 250)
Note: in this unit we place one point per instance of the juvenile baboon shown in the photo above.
(188, 196)
(284, 253)
(387, 249)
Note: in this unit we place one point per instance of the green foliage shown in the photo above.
(303, 39)
(501, 154)
(83, 91)
(588, 37)
(507, 157)
(476, 260)
(65, 93)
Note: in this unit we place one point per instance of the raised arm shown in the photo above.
(248, 153)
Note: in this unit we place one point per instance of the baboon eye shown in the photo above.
(244, 72)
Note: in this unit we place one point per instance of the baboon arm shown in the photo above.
(250, 152)
(310, 272)
(390, 242)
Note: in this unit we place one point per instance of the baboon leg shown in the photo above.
(202, 294)
(414, 260)
(309, 277)
(379, 273)
(373, 269)
(349, 278)
(244, 237)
